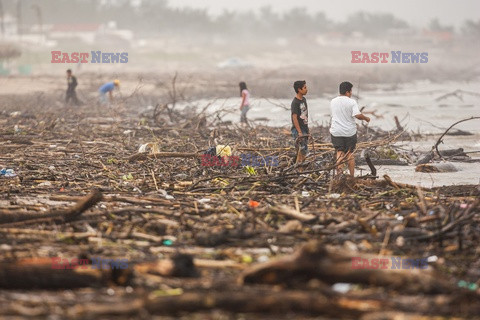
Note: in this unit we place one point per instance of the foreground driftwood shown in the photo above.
(51, 273)
(8, 217)
(313, 260)
(39, 274)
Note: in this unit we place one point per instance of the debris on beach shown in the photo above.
(200, 238)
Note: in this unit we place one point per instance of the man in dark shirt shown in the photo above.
(300, 130)
(72, 84)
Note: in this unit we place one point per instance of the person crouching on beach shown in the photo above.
(108, 88)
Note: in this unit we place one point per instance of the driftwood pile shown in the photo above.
(266, 241)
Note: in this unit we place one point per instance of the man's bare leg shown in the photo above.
(339, 162)
(300, 157)
(351, 163)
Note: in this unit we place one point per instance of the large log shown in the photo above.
(265, 302)
(39, 273)
(313, 260)
(82, 205)
(47, 273)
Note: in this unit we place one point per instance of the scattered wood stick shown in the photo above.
(435, 146)
(292, 213)
(82, 205)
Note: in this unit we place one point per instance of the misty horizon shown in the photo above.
(415, 13)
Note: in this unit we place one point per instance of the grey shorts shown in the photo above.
(344, 144)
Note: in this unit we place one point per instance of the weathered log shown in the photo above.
(39, 273)
(436, 167)
(46, 273)
(314, 260)
(289, 212)
(92, 310)
(144, 156)
(181, 265)
(453, 152)
(245, 300)
(398, 185)
(426, 158)
(62, 215)
(264, 302)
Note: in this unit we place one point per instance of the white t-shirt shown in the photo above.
(344, 110)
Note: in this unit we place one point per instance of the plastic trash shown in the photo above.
(250, 170)
(333, 195)
(137, 190)
(212, 151)
(305, 194)
(467, 285)
(165, 194)
(263, 258)
(127, 177)
(167, 242)
(342, 287)
(167, 292)
(246, 258)
(149, 147)
(223, 151)
(253, 203)
(7, 173)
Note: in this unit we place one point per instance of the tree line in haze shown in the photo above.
(156, 17)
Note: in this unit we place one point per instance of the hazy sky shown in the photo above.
(415, 12)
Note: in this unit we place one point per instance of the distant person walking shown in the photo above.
(343, 129)
(108, 88)
(71, 86)
(245, 105)
(299, 108)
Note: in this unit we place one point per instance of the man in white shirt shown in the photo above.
(344, 129)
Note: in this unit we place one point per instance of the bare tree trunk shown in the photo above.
(19, 18)
(2, 25)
